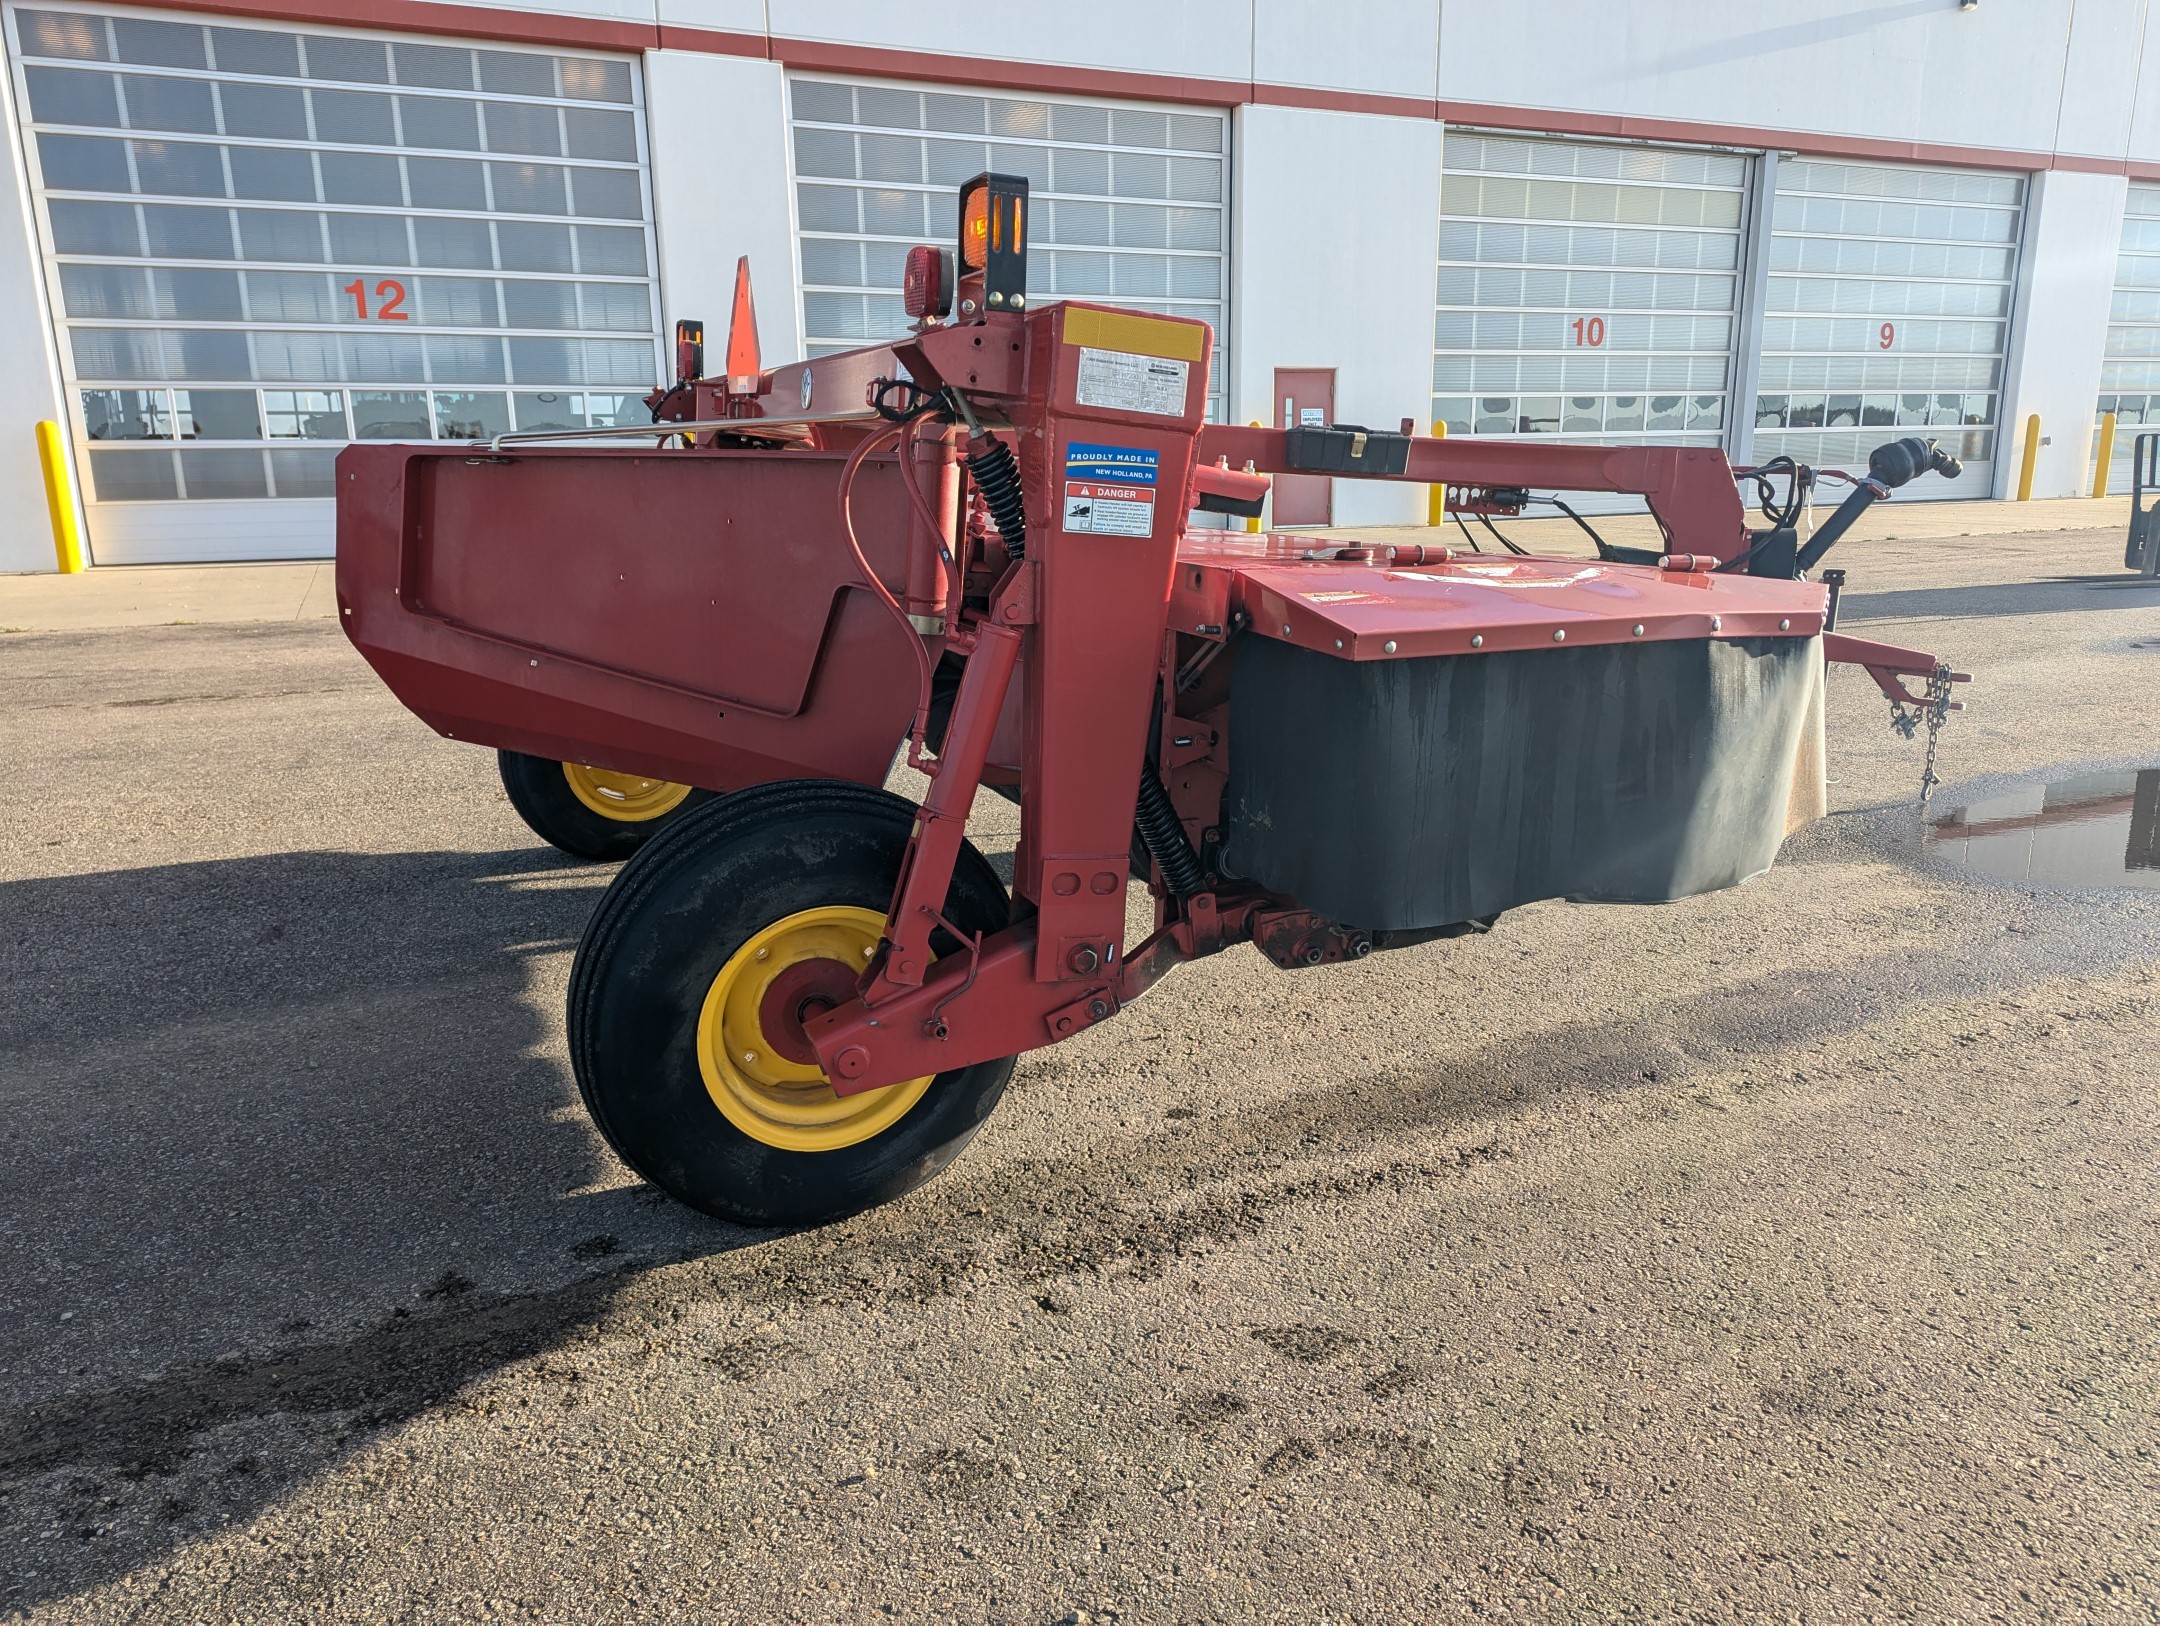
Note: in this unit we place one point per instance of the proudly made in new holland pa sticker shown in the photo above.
(1109, 490)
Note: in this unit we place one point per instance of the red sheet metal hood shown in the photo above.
(1300, 590)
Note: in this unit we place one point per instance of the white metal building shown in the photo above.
(245, 233)
(2130, 374)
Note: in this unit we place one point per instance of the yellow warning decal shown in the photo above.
(1134, 335)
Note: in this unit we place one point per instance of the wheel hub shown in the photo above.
(626, 798)
(806, 989)
(757, 1061)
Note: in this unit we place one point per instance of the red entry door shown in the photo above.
(1304, 395)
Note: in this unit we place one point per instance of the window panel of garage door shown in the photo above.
(1587, 290)
(262, 237)
(1887, 313)
(1129, 204)
(2130, 370)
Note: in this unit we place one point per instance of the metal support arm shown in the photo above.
(1689, 489)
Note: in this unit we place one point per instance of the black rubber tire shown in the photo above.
(543, 798)
(673, 918)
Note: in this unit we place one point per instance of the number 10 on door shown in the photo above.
(1588, 332)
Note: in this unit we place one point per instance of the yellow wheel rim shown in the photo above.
(765, 1093)
(624, 797)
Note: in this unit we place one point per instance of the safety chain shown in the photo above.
(1935, 709)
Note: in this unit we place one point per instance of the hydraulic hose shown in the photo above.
(1164, 836)
(924, 672)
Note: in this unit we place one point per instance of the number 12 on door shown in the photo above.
(389, 291)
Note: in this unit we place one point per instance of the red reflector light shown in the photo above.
(925, 284)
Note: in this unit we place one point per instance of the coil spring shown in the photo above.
(1164, 836)
(997, 477)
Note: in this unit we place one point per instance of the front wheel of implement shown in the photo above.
(695, 976)
(592, 812)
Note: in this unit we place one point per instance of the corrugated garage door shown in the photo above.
(261, 242)
(1888, 312)
(1587, 290)
(1129, 202)
(2130, 374)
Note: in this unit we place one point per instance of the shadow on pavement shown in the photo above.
(291, 1144)
(2049, 596)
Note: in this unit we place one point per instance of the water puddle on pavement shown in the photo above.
(2092, 830)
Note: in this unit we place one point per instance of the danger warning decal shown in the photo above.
(1109, 490)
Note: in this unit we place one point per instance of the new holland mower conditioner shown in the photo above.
(700, 645)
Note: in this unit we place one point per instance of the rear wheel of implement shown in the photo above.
(592, 812)
(692, 984)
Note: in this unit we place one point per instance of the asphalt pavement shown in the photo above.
(1788, 1254)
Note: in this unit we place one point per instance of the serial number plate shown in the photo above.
(1128, 383)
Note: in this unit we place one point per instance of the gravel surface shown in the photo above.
(1789, 1254)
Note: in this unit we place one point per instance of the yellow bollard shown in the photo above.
(2032, 456)
(2107, 454)
(59, 498)
(1252, 522)
(1436, 495)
